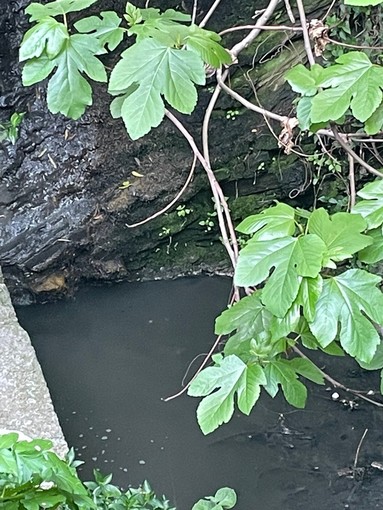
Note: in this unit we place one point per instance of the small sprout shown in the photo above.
(183, 211)
(232, 114)
(165, 231)
(136, 174)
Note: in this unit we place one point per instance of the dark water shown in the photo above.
(113, 353)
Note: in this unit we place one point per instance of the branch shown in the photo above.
(351, 178)
(306, 37)
(170, 204)
(282, 28)
(209, 13)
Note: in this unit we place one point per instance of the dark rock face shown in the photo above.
(63, 216)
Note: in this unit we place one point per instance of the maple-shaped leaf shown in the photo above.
(48, 36)
(107, 28)
(158, 70)
(206, 44)
(308, 295)
(304, 81)
(37, 69)
(68, 91)
(40, 11)
(349, 303)
(340, 232)
(371, 208)
(374, 252)
(374, 124)
(277, 221)
(218, 384)
(279, 372)
(152, 23)
(291, 259)
(355, 82)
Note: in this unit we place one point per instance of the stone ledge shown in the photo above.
(25, 402)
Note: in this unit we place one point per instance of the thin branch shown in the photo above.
(269, 11)
(336, 383)
(289, 11)
(355, 46)
(246, 103)
(282, 28)
(212, 181)
(328, 10)
(201, 367)
(209, 13)
(351, 178)
(194, 13)
(170, 204)
(348, 149)
(358, 449)
(306, 36)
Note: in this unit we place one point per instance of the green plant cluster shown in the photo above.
(166, 60)
(32, 477)
(306, 297)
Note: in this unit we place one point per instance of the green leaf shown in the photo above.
(277, 221)
(282, 327)
(374, 252)
(381, 382)
(37, 69)
(308, 295)
(355, 82)
(376, 362)
(362, 3)
(304, 112)
(372, 207)
(8, 462)
(374, 124)
(302, 80)
(225, 497)
(158, 70)
(231, 376)
(280, 372)
(38, 11)
(68, 91)
(342, 301)
(107, 29)
(47, 36)
(205, 43)
(340, 233)
(290, 257)
(307, 369)
(8, 440)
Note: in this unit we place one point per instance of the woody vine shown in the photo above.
(303, 277)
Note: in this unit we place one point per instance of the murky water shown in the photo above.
(112, 354)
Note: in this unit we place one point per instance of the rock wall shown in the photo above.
(63, 216)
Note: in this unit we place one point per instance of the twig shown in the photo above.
(170, 204)
(351, 178)
(203, 364)
(336, 383)
(194, 13)
(282, 28)
(358, 449)
(209, 13)
(212, 181)
(253, 34)
(347, 148)
(356, 46)
(289, 11)
(306, 37)
(328, 10)
(246, 103)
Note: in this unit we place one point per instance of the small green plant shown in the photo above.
(165, 232)
(125, 185)
(208, 223)
(9, 130)
(183, 211)
(232, 114)
(223, 499)
(323, 161)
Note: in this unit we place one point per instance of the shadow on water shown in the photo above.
(113, 353)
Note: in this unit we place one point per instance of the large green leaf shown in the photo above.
(374, 124)
(219, 384)
(376, 362)
(352, 301)
(277, 221)
(280, 372)
(206, 44)
(362, 3)
(158, 70)
(371, 208)
(340, 233)
(354, 82)
(38, 11)
(37, 69)
(303, 80)
(307, 369)
(374, 252)
(107, 28)
(291, 259)
(308, 295)
(68, 91)
(48, 36)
